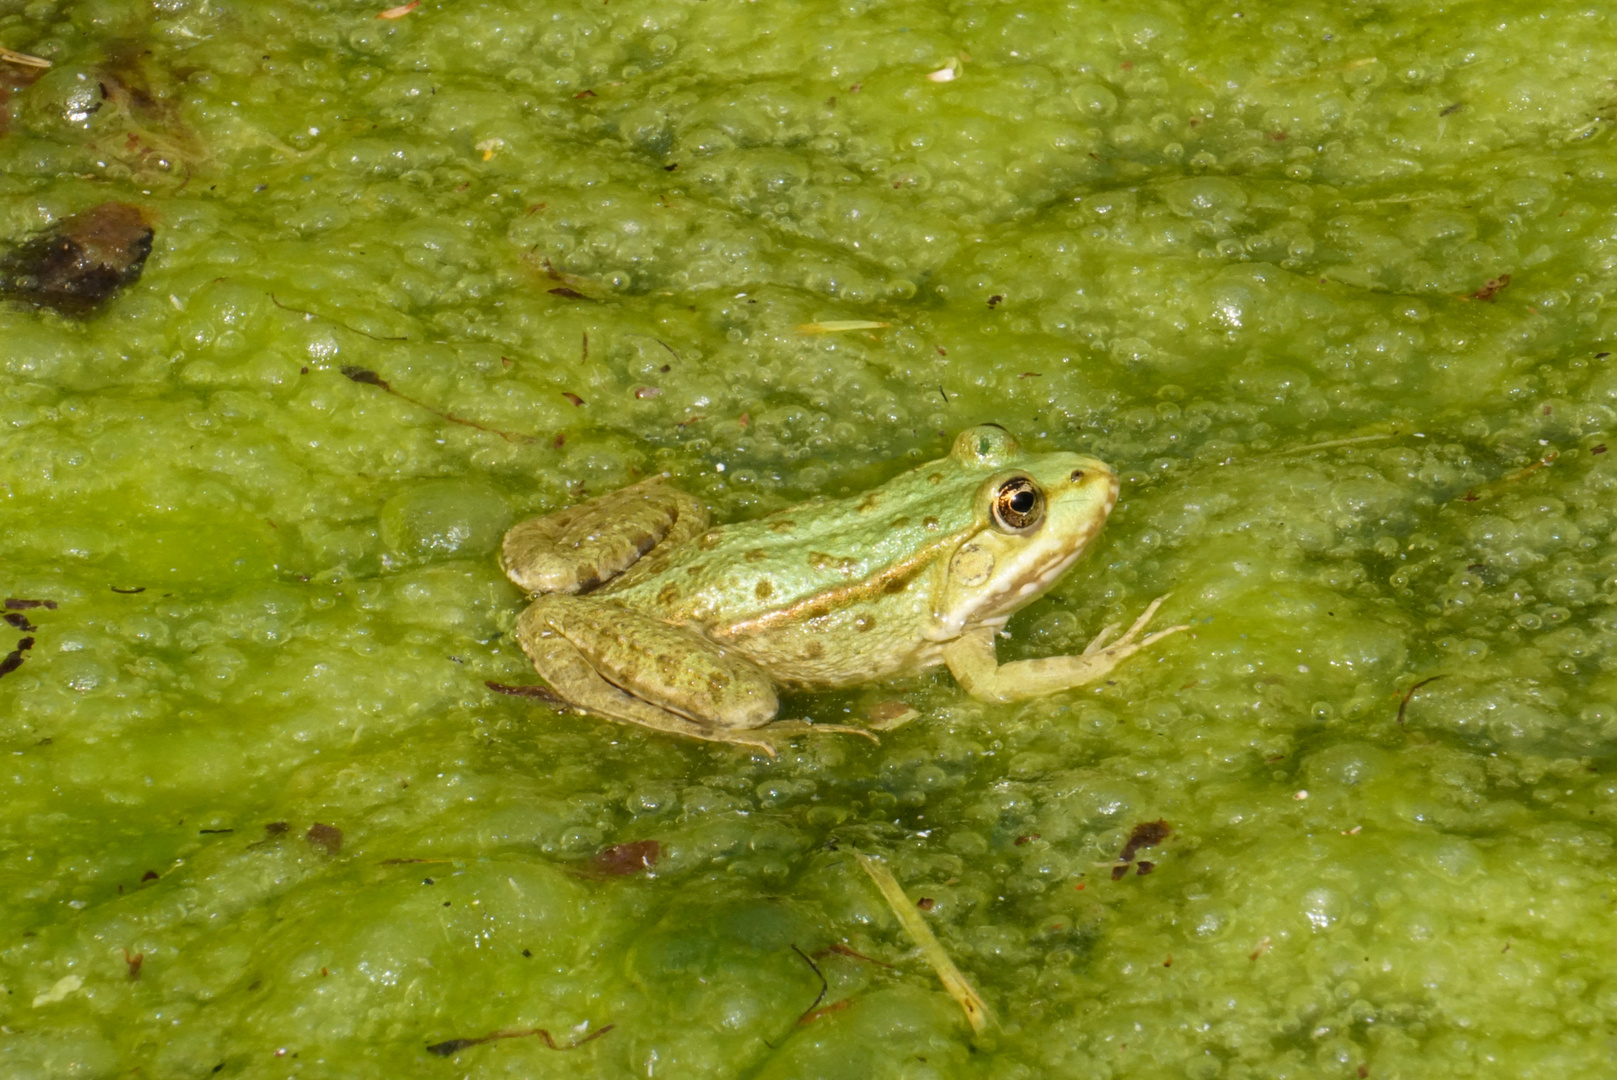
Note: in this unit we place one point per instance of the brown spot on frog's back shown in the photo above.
(764, 589)
(819, 560)
(785, 525)
(756, 555)
(898, 523)
(709, 541)
(813, 651)
(870, 502)
(934, 478)
(668, 594)
(930, 523)
(864, 623)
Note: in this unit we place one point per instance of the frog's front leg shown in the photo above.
(972, 662)
(617, 663)
(579, 548)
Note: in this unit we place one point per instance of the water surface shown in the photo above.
(415, 278)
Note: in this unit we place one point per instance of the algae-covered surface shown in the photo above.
(413, 278)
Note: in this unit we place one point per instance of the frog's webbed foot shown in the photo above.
(579, 548)
(972, 661)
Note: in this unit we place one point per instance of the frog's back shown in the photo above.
(826, 548)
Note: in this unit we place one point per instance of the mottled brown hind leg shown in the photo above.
(576, 682)
(625, 666)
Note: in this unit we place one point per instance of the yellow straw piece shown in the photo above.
(837, 326)
(23, 58)
(954, 982)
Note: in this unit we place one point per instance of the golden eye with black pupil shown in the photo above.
(1018, 504)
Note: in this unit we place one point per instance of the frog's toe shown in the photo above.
(1100, 640)
(748, 739)
(791, 728)
(1131, 640)
(1157, 635)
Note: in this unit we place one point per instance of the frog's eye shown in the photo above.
(1018, 504)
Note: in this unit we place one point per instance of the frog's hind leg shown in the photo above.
(579, 548)
(625, 666)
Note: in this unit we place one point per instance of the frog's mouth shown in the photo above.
(1046, 575)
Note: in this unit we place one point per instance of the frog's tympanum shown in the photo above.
(644, 614)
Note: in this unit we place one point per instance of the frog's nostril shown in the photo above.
(1077, 475)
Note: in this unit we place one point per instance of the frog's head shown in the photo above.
(1036, 514)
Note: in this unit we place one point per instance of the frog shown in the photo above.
(643, 612)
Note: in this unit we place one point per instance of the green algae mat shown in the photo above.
(1328, 287)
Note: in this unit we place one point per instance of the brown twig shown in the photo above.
(834, 1007)
(329, 319)
(370, 378)
(543, 693)
(454, 1046)
(824, 986)
(842, 950)
(1404, 704)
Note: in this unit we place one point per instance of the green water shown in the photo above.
(1214, 244)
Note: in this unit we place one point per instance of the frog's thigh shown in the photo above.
(972, 662)
(576, 549)
(619, 663)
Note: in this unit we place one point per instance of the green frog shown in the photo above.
(644, 614)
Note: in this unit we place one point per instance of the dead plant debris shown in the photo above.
(1147, 834)
(324, 836)
(450, 1047)
(81, 262)
(13, 659)
(543, 693)
(824, 986)
(333, 321)
(1493, 287)
(1403, 704)
(370, 378)
(624, 860)
(970, 1002)
(839, 949)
